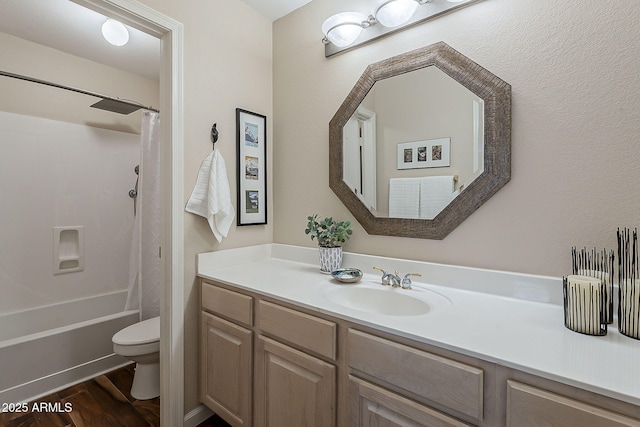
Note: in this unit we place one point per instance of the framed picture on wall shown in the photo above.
(251, 132)
(430, 153)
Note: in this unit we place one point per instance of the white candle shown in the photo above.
(629, 322)
(584, 304)
(604, 277)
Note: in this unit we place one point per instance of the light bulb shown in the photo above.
(115, 32)
(394, 12)
(343, 28)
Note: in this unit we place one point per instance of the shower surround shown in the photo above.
(56, 174)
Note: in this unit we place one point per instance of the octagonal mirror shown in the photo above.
(422, 140)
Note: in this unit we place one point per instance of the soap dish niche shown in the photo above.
(68, 249)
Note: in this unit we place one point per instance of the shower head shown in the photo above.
(116, 106)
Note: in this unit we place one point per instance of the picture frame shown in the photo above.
(251, 136)
(430, 153)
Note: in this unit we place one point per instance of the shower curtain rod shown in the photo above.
(108, 103)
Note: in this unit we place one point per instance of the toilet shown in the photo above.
(140, 343)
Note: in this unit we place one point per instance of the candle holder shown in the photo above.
(599, 265)
(584, 305)
(628, 284)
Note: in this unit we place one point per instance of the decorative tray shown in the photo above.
(347, 275)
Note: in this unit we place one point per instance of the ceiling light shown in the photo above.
(344, 28)
(115, 32)
(392, 13)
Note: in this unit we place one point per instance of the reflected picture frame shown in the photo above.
(251, 136)
(431, 153)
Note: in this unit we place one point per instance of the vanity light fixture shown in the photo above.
(345, 30)
(115, 32)
(392, 13)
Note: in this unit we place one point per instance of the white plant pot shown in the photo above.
(330, 259)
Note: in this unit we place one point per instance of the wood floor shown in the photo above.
(102, 401)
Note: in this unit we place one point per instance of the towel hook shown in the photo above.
(214, 134)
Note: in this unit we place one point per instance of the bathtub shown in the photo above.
(49, 348)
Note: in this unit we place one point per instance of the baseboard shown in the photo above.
(196, 416)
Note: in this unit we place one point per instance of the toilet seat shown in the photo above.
(145, 332)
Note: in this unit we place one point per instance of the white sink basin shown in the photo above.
(378, 299)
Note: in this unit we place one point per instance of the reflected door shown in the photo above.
(359, 154)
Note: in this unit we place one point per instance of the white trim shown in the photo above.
(172, 298)
(171, 33)
(359, 152)
(197, 416)
(369, 194)
(351, 173)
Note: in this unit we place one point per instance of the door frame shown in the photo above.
(171, 34)
(369, 196)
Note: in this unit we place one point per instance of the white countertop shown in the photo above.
(515, 320)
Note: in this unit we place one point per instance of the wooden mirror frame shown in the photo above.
(497, 141)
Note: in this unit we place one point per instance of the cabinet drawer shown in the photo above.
(443, 381)
(228, 304)
(298, 329)
(375, 406)
(531, 407)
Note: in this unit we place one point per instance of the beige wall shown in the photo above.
(576, 124)
(227, 65)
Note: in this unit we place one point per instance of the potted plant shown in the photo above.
(330, 234)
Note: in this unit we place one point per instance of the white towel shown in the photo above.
(436, 192)
(404, 198)
(211, 197)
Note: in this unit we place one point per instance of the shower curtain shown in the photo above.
(144, 261)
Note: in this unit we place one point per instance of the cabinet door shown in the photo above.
(373, 406)
(225, 369)
(293, 389)
(454, 385)
(531, 407)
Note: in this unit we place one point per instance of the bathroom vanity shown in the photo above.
(282, 344)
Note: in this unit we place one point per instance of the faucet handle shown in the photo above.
(406, 281)
(385, 276)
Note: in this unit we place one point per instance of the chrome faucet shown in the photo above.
(389, 278)
(394, 280)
